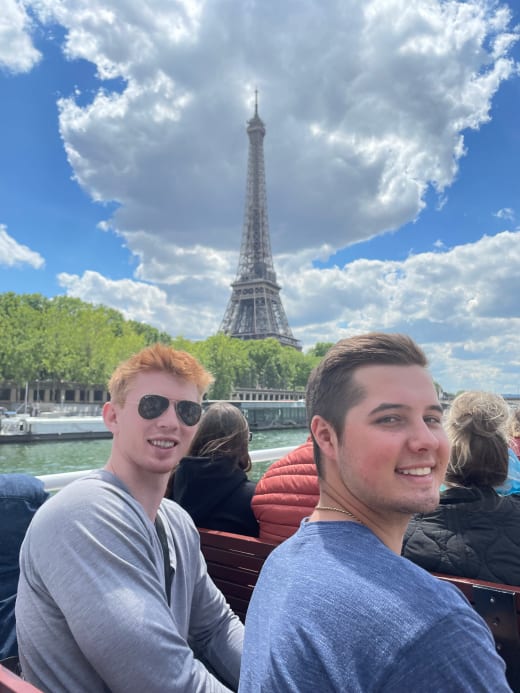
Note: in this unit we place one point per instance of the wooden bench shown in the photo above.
(234, 562)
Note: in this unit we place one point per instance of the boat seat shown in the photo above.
(234, 562)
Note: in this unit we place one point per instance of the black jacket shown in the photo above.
(216, 494)
(473, 533)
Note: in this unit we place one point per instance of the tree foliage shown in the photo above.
(66, 339)
(320, 349)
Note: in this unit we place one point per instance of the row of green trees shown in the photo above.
(64, 338)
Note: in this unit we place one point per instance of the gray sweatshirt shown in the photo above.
(92, 614)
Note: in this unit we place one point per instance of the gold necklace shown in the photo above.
(340, 510)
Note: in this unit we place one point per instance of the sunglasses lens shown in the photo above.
(152, 406)
(188, 412)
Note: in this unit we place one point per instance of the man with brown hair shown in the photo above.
(114, 593)
(336, 608)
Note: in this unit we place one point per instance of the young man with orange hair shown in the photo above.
(114, 593)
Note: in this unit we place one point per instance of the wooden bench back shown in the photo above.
(234, 562)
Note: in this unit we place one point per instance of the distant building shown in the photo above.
(255, 309)
(42, 396)
(256, 394)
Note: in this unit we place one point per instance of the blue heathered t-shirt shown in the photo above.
(335, 610)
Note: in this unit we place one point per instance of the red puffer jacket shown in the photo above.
(286, 493)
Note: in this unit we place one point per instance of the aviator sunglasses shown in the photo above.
(152, 406)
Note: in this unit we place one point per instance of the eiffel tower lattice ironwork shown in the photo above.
(255, 310)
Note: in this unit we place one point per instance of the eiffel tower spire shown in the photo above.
(255, 309)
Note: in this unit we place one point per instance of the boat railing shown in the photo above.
(55, 482)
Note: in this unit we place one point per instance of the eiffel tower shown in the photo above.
(255, 309)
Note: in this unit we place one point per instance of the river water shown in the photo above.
(55, 458)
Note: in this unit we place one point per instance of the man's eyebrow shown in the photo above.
(384, 406)
(436, 407)
(387, 405)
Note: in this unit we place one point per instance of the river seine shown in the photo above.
(55, 458)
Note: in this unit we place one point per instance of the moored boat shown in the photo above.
(33, 429)
(23, 428)
(264, 415)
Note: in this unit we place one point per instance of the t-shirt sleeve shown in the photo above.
(456, 654)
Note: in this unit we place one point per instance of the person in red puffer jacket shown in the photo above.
(287, 492)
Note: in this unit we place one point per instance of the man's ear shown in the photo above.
(110, 416)
(324, 435)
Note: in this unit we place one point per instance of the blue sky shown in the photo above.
(391, 159)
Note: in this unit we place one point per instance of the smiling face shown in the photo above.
(392, 456)
(149, 446)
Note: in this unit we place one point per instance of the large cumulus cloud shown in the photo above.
(367, 106)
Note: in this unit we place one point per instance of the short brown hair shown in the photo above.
(477, 428)
(331, 391)
(158, 357)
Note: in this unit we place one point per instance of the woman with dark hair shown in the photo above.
(475, 531)
(211, 484)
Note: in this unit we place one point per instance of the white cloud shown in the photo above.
(141, 302)
(17, 53)
(364, 145)
(505, 213)
(14, 254)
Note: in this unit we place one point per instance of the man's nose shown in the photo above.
(423, 438)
